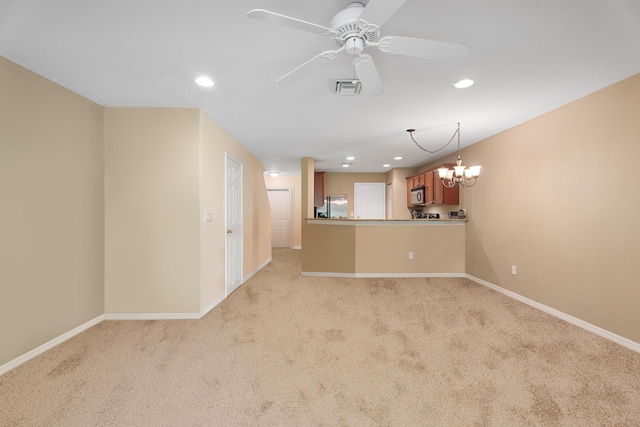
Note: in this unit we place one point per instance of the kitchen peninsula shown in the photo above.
(384, 248)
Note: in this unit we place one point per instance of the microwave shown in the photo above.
(417, 196)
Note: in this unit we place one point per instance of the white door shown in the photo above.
(280, 203)
(369, 200)
(234, 224)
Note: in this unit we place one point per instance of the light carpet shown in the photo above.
(287, 350)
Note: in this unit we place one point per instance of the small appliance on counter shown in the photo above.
(432, 215)
(461, 214)
(416, 213)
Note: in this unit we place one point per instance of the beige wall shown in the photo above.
(329, 248)
(559, 198)
(336, 183)
(152, 234)
(51, 211)
(255, 201)
(397, 179)
(293, 182)
(436, 248)
(165, 169)
(307, 170)
(372, 248)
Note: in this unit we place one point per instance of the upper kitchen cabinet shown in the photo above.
(434, 192)
(443, 195)
(417, 181)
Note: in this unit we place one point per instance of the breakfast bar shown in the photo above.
(383, 248)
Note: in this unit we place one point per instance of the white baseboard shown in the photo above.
(296, 247)
(152, 316)
(211, 306)
(378, 275)
(625, 342)
(164, 316)
(260, 267)
(49, 345)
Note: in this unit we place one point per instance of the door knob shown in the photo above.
(229, 231)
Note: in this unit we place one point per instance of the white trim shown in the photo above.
(49, 345)
(625, 342)
(152, 316)
(297, 247)
(211, 306)
(165, 316)
(178, 316)
(378, 275)
(260, 267)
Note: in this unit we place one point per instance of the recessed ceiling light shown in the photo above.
(464, 83)
(346, 165)
(204, 81)
(386, 166)
(274, 173)
(397, 158)
(351, 158)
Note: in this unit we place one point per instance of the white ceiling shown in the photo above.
(527, 57)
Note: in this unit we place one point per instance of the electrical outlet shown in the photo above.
(513, 270)
(410, 255)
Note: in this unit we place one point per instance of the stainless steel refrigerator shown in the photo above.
(334, 207)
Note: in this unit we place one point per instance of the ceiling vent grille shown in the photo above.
(348, 87)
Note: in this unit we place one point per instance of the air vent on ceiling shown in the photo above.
(348, 87)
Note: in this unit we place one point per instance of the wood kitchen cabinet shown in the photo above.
(434, 192)
(418, 181)
(441, 194)
(428, 188)
(318, 189)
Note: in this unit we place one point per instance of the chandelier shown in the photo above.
(460, 174)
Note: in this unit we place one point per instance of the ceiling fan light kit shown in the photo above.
(354, 29)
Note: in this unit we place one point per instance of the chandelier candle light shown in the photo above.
(460, 174)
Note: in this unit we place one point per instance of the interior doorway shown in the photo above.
(281, 203)
(233, 220)
(369, 200)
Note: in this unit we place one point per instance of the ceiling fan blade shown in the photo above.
(368, 75)
(288, 21)
(379, 11)
(423, 48)
(313, 64)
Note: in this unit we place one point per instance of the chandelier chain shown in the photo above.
(457, 132)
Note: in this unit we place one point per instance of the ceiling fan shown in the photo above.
(356, 28)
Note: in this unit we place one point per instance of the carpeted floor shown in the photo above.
(286, 350)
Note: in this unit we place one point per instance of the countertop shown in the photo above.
(359, 221)
(390, 220)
